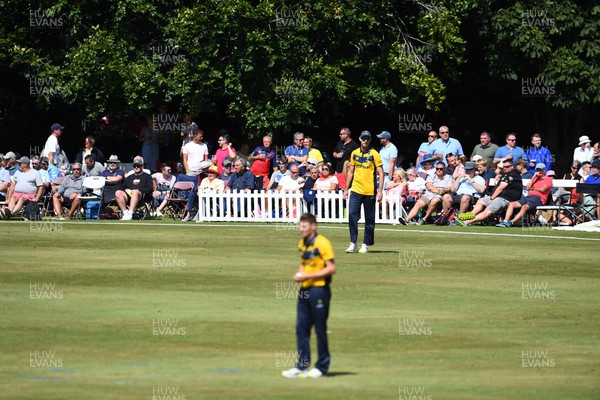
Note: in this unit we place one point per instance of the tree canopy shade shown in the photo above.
(269, 65)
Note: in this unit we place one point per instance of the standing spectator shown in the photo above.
(11, 163)
(194, 153)
(188, 131)
(225, 150)
(92, 167)
(296, 153)
(312, 152)
(596, 154)
(316, 269)
(364, 163)
(51, 148)
(509, 152)
(89, 149)
(425, 148)
(509, 188)
(26, 186)
(486, 149)
(584, 152)
(68, 192)
(538, 154)
(388, 153)
(343, 149)
(150, 148)
(263, 158)
(445, 145)
(135, 187)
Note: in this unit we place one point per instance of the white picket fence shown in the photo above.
(273, 206)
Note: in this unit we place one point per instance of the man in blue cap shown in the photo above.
(388, 153)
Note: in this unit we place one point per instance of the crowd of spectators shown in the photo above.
(486, 181)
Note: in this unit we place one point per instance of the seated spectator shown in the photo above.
(11, 163)
(596, 154)
(277, 175)
(426, 168)
(311, 177)
(437, 186)
(92, 167)
(4, 179)
(36, 164)
(212, 183)
(594, 179)
(53, 171)
(465, 189)
(509, 188)
(415, 185)
(563, 196)
(163, 182)
(327, 182)
(453, 166)
(26, 186)
(538, 188)
(68, 192)
(292, 182)
(396, 189)
(135, 188)
(484, 171)
(521, 166)
(586, 170)
(227, 167)
(88, 149)
(114, 179)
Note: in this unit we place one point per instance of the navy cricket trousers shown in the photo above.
(354, 204)
(313, 310)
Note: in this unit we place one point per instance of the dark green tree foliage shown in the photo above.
(269, 65)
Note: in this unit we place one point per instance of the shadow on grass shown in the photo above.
(341, 373)
(384, 251)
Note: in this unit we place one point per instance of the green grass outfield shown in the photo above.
(450, 313)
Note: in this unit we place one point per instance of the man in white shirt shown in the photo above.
(52, 148)
(194, 153)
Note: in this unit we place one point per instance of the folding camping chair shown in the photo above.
(177, 199)
(92, 192)
(587, 207)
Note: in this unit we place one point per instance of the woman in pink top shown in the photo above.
(326, 182)
(396, 189)
(225, 150)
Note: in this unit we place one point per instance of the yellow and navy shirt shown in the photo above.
(365, 165)
(313, 255)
